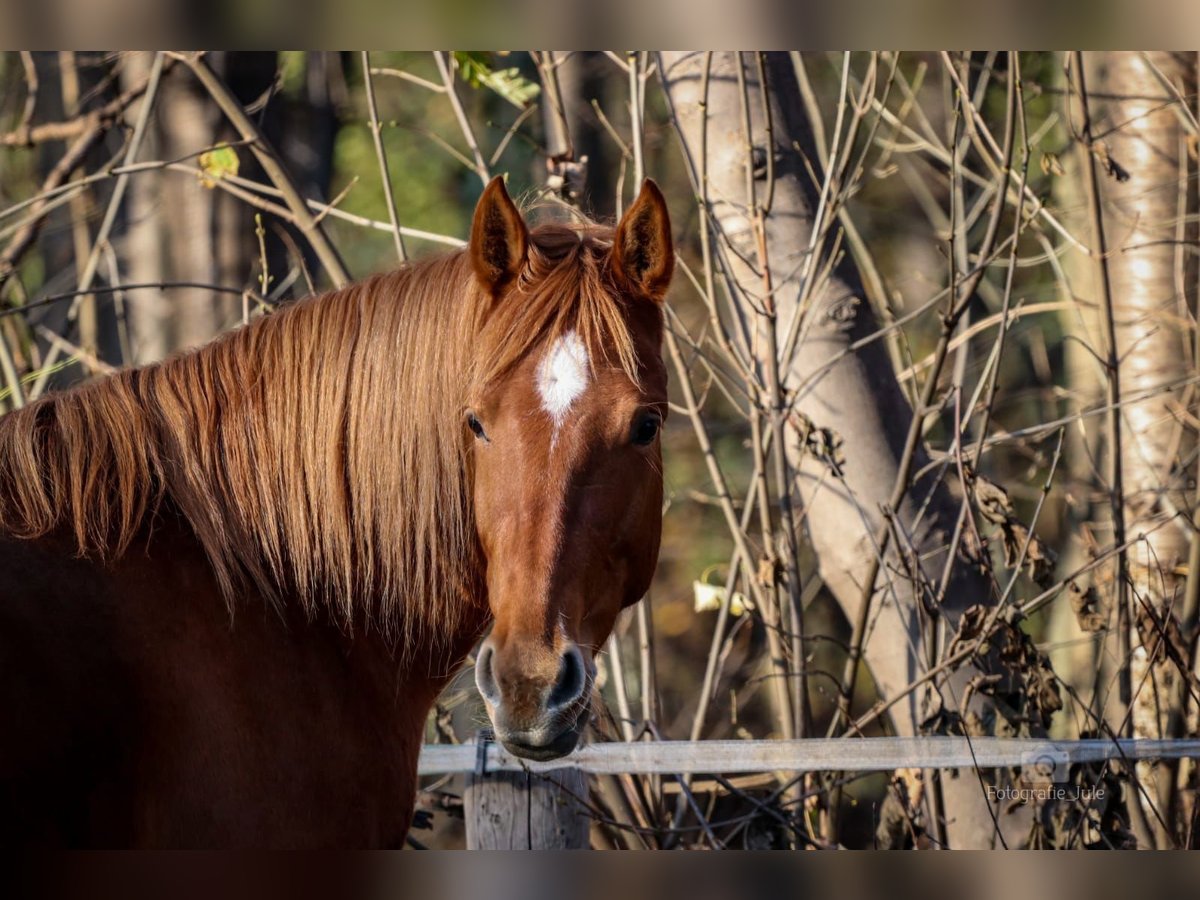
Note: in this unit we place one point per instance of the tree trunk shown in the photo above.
(584, 77)
(147, 313)
(1135, 102)
(854, 395)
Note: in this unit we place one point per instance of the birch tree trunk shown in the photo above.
(147, 313)
(854, 395)
(1137, 109)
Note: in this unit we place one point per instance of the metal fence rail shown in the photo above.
(813, 755)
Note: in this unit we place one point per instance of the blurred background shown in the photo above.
(1001, 241)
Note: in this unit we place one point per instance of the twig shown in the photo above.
(381, 157)
(960, 298)
(87, 276)
(481, 167)
(1113, 394)
(121, 288)
(410, 77)
(27, 234)
(269, 160)
(635, 114)
(62, 345)
(86, 306)
(31, 89)
(26, 135)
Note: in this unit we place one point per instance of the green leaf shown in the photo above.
(217, 163)
(293, 68)
(476, 70)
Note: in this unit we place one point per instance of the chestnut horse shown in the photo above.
(232, 584)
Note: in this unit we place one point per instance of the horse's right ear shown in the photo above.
(499, 238)
(643, 256)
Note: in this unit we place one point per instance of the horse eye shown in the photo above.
(646, 429)
(476, 426)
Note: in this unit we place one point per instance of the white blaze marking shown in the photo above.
(562, 376)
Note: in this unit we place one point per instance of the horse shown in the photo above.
(233, 583)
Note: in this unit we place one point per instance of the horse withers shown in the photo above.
(232, 584)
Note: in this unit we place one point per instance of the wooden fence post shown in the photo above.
(527, 810)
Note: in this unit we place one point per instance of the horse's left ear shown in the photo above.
(643, 254)
(499, 238)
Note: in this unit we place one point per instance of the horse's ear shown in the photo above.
(643, 255)
(499, 238)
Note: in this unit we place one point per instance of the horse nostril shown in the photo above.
(572, 680)
(485, 680)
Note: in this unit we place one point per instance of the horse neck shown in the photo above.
(340, 455)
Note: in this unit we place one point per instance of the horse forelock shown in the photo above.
(319, 453)
(565, 286)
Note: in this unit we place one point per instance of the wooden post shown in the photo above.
(527, 810)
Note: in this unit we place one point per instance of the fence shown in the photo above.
(507, 808)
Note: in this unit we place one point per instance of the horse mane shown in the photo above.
(319, 453)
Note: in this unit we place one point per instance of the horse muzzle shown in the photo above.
(534, 717)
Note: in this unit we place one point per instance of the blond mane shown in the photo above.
(319, 453)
